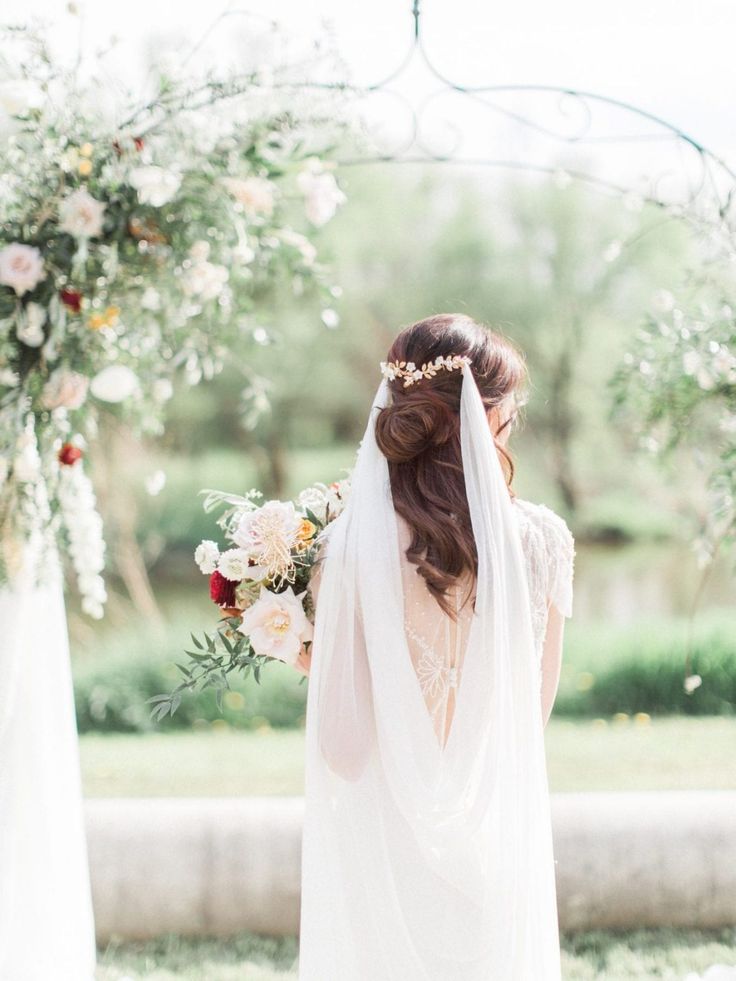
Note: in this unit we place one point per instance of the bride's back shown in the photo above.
(437, 641)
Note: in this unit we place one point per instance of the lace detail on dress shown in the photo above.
(435, 677)
(549, 551)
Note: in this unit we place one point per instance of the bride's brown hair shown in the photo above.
(419, 433)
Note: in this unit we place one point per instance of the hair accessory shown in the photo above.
(410, 373)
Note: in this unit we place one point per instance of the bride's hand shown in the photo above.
(303, 662)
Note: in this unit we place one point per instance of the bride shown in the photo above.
(427, 846)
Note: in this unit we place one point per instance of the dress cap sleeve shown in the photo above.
(560, 553)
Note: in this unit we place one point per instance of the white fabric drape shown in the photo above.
(46, 924)
(424, 861)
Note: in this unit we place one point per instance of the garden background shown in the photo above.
(566, 272)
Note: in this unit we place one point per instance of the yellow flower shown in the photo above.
(85, 150)
(85, 168)
(107, 319)
(306, 530)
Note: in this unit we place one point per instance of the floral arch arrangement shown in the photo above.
(135, 243)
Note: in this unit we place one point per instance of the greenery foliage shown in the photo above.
(605, 671)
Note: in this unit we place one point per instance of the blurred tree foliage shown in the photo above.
(566, 272)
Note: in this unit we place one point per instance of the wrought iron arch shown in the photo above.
(709, 188)
(710, 192)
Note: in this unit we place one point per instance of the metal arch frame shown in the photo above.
(712, 167)
(708, 202)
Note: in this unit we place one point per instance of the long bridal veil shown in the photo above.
(422, 860)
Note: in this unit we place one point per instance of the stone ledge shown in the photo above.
(219, 866)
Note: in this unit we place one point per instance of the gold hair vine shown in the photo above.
(410, 373)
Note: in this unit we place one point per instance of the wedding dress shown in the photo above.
(427, 847)
(46, 922)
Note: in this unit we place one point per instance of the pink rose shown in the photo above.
(21, 267)
(277, 625)
(64, 390)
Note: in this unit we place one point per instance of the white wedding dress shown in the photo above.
(427, 848)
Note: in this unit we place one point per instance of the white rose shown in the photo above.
(155, 186)
(207, 555)
(234, 565)
(29, 329)
(322, 195)
(254, 194)
(114, 384)
(21, 267)
(19, 95)
(81, 215)
(162, 390)
(315, 498)
(151, 299)
(200, 250)
(277, 625)
(64, 390)
(8, 378)
(337, 497)
(205, 280)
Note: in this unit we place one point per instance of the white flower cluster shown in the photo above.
(204, 279)
(84, 530)
(322, 195)
(715, 365)
(325, 501)
(274, 547)
(112, 279)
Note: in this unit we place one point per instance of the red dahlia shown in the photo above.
(69, 454)
(72, 299)
(222, 590)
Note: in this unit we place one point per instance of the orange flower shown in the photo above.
(306, 530)
(107, 319)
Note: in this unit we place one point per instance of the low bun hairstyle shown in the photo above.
(419, 434)
(412, 426)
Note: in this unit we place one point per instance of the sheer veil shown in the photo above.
(422, 861)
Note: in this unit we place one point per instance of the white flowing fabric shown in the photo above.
(424, 859)
(46, 924)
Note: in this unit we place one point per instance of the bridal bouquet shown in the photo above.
(260, 583)
(140, 238)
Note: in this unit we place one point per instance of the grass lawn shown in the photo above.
(673, 753)
(614, 957)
